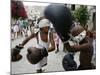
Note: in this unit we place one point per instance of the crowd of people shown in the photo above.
(22, 28)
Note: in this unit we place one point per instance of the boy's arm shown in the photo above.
(76, 48)
(27, 39)
(81, 47)
(52, 48)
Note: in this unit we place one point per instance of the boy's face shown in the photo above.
(76, 30)
(45, 29)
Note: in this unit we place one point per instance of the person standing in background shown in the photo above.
(16, 30)
(56, 39)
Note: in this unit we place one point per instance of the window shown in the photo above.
(72, 7)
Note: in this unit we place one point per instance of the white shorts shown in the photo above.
(42, 63)
(16, 28)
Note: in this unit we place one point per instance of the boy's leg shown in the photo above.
(15, 35)
(64, 49)
(39, 68)
(57, 48)
(41, 64)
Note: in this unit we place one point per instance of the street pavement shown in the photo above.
(54, 59)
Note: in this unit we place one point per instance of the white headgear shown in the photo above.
(44, 23)
(76, 40)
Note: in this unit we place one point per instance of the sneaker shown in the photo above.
(56, 51)
(40, 71)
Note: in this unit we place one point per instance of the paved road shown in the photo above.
(54, 60)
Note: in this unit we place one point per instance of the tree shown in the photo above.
(82, 15)
(18, 10)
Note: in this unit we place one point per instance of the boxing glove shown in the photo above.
(44, 52)
(15, 56)
(68, 62)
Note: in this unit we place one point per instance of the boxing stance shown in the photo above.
(38, 54)
(74, 37)
(85, 48)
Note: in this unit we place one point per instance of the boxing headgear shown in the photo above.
(44, 23)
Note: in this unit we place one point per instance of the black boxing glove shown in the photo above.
(44, 52)
(15, 56)
(34, 55)
(68, 62)
(17, 50)
(19, 47)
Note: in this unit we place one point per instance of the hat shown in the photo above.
(44, 23)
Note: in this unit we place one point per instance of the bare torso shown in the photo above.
(86, 55)
(44, 37)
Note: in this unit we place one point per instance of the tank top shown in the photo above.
(40, 43)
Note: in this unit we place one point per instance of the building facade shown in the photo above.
(37, 11)
(92, 12)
